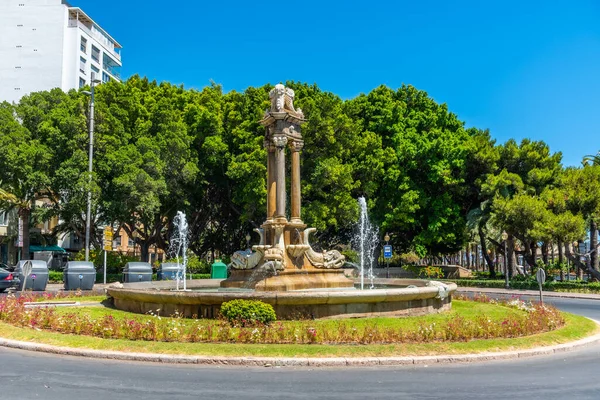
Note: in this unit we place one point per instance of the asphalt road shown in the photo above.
(571, 375)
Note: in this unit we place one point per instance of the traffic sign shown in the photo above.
(387, 251)
(540, 276)
(108, 237)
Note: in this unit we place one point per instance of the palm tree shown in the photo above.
(9, 202)
(591, 160)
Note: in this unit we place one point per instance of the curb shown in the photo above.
(298, 362)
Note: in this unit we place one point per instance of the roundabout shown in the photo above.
(572, 375)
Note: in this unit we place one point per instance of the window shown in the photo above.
(95, 54)
(105, 77)
(81, 82)
(3, 218)
(94, 69)
(83, 45)
(82, 64)
(130, 242)
(111, 66)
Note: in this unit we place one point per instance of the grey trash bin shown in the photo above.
(137, 272)
(79, 275)
(37, 279)
(167, 272)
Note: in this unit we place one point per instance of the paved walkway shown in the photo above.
(535, 293)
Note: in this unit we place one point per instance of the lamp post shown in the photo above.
(506, 282)
(248, 241)
(387, 270)
(88, 218)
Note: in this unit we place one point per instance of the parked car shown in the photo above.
(7, 280)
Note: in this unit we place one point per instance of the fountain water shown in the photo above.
(178, 245)
(366, 240)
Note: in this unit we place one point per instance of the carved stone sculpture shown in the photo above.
(327, 259)
(282, 100)
(247, 259)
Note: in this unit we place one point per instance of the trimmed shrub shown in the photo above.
(247, 312)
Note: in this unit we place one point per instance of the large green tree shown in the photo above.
(24, 170)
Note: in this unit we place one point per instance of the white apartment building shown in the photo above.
(46, 44)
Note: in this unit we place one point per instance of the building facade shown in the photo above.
(46, 44)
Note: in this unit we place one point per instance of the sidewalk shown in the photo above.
(534, 293)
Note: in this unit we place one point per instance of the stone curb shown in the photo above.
(298, 362)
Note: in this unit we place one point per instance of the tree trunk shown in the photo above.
(468, 255)
(144, 251)
(24, 213)
(575, 259)
(510, 248)
(594, 244)
(560, 260)
(485, 254)
(545, 253)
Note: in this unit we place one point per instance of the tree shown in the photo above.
(420, 196)
(24, 163)
(591, 160)
(145, 158)
(582, 193)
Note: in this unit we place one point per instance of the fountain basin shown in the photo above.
(397, 299)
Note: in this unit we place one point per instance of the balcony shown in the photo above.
(111, 66)
(108, 44)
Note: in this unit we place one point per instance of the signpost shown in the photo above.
(108, 238)
(540, 276)
(387, 254)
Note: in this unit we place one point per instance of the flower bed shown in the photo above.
(515, 319)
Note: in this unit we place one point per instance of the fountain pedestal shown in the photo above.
(284, 259)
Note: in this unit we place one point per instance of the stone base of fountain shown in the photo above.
(400, 297)
(306, 278)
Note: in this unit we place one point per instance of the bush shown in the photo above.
(429, 272)
(247, 312)
(195, 264)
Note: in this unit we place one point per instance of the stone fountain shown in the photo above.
(283, 269)
(284, 259)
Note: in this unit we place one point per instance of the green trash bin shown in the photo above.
(218, 270)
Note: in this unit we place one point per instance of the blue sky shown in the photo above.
(520, 68)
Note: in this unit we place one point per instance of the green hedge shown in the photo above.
(57, 277)
(553, 286)
(247, 312)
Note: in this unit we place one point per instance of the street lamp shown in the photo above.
(247, 240)
(387, 270)
(88, 217)
(506, 282)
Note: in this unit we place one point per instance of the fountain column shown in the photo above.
(296, 146)
(271, 183)
(280, 142)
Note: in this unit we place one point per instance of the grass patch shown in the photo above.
(575, 327)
